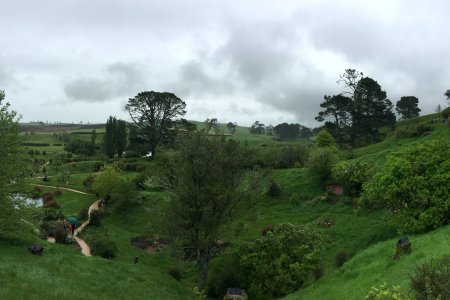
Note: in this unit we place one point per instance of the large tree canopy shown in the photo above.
(154, 113)
(408, 107)
(204, 180)
(358, 117)
(11, 166)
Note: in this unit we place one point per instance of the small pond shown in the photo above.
(29, 201)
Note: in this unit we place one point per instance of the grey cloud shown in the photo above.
(120, 79)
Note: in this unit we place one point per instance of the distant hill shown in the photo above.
(36, 127)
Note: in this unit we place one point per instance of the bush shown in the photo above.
(266, 229)
(384, 293)
(175, 273)
(104, 247)
(321, 163)
(60, 235)
(280, 262)
(413, 184)
(354, 174)
(88, 182)
(340, 258)
(57, 193)
(274, 189)
(431, 279)
(325, 139)
(447, 123)
(95, 219)
(319, 271)
(83, 214)
(445, 114)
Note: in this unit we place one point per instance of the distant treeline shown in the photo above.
(40, 144)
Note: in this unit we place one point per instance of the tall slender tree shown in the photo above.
(121, 137)
(109, 139)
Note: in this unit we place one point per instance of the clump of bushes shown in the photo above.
(175, 273)
(413, 184)
(95, 219)
(266, 229)
(321, 163)
(49, 201)
(416, 130)
(431, 279)
(60, 235)
(88, 182)
(353, 174)
(104, 247)
(385, 293)
(340, 258)
(274, 189)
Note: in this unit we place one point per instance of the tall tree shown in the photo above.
(232, 127)
(93, 136)
(204, 180)
(121, 137)
(340, 108)
(11, 167)
(447, 94)
(109, 139)
(372, 110)
(287, 131)
(153, 113)
(407, 107)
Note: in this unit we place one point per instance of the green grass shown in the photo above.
(375, 266)
(63, 272)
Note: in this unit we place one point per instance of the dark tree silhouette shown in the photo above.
(407, 107)
(154, 114)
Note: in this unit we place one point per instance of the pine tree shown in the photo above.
(109, 140)
(121, 137)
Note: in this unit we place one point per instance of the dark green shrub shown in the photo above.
(321, 163)
(36, 192)
(431, 279)
(57, 193)
(340, 258)
(175, 273)
(274, 189)
(266, 229)
(445, 114)
(354, 174)
(88, 182)
(95, 219)
(60, 235)
(319, 271)
(83, 214)
(384, 293)
(104, 247)
(447, 123)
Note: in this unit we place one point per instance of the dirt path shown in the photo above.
(84, 247)
(61, 188)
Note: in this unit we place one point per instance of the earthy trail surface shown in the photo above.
(61, 188)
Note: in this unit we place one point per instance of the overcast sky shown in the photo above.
(240, 61)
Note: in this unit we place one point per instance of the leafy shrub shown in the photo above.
(325, 139)
(384, 293)
(321, 163)
(175, 273)
(106, 248)
(83, 214)
(319, 271)
(95, 219)
(431, 279)
(36, 192)
(88, 182)
(413, 183)
(60, 235)
(274, 189)
(445, 114)
(416, 130)
(57, 193)
(266, 229)
(340, 258)
(279, 262)
(354, 173)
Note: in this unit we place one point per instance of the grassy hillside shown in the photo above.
(375, 266)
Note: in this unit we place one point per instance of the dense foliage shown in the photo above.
(11, 167)
(414, 184)
(321, 162)
(279, 262)
(80, 147)
(430, 279)
(408, 107)
(353, 173)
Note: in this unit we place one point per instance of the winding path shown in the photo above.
(93, 207)
(61, 188)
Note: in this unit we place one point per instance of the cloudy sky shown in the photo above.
(240, 61)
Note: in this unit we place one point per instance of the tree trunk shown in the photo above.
(203, 261)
